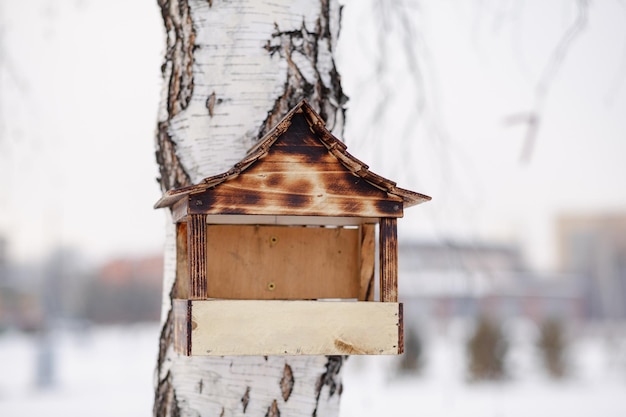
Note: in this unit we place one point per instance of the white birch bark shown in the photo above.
(232, 70)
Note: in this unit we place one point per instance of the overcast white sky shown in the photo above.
(80, 80)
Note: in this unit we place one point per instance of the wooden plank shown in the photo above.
(179, 210)
(182, 326)
(181, 289)
(236, 327)
(288, 220)
(368, 256)
(196, 244)
(282, 262)
(231, 199)
(388, 255)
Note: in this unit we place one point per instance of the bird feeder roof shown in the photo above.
(298, 168)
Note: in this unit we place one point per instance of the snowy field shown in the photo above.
(107, 371)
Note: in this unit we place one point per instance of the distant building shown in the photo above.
(126, 290)
(443, 280)
(594, 248)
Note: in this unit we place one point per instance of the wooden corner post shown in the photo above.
(196, 244)
(388, 256)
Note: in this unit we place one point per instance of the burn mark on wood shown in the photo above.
(245, 399)
(302, 187)
(272, 410)
(274, 180)
(330, 379)
(286, 382)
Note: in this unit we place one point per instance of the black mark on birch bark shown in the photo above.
(210, 103)
(172, 173)
(223, 412)
(177, 73)
(286, 382)
(178, 66)
(329, 379)
(273, 410)
(308, 44)
(245, 399)
(200, 386)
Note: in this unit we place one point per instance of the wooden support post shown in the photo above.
(182, 264)
(388, 255)
(196, 244)
(368, 256)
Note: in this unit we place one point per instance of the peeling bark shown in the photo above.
(231, 70)
(273, 410)
(286, 382)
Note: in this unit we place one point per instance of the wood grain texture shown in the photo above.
(196, 244)
(182, 326)
(282, 262)
(368, 261)
(181, 288)
(297, 176)
(180, 210)
(236, 327)
(288, 220)
(388, 255)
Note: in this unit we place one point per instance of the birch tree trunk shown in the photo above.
(232, 70)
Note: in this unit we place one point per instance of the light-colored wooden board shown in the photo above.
(237, 327)
(288, 220)
(282, 262)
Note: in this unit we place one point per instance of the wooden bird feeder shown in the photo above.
(276, 256)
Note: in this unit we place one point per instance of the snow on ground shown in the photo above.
(105, 371)
(108, 371)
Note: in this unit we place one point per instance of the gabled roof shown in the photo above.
(291, 159)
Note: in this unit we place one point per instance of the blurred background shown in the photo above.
(510, 114)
